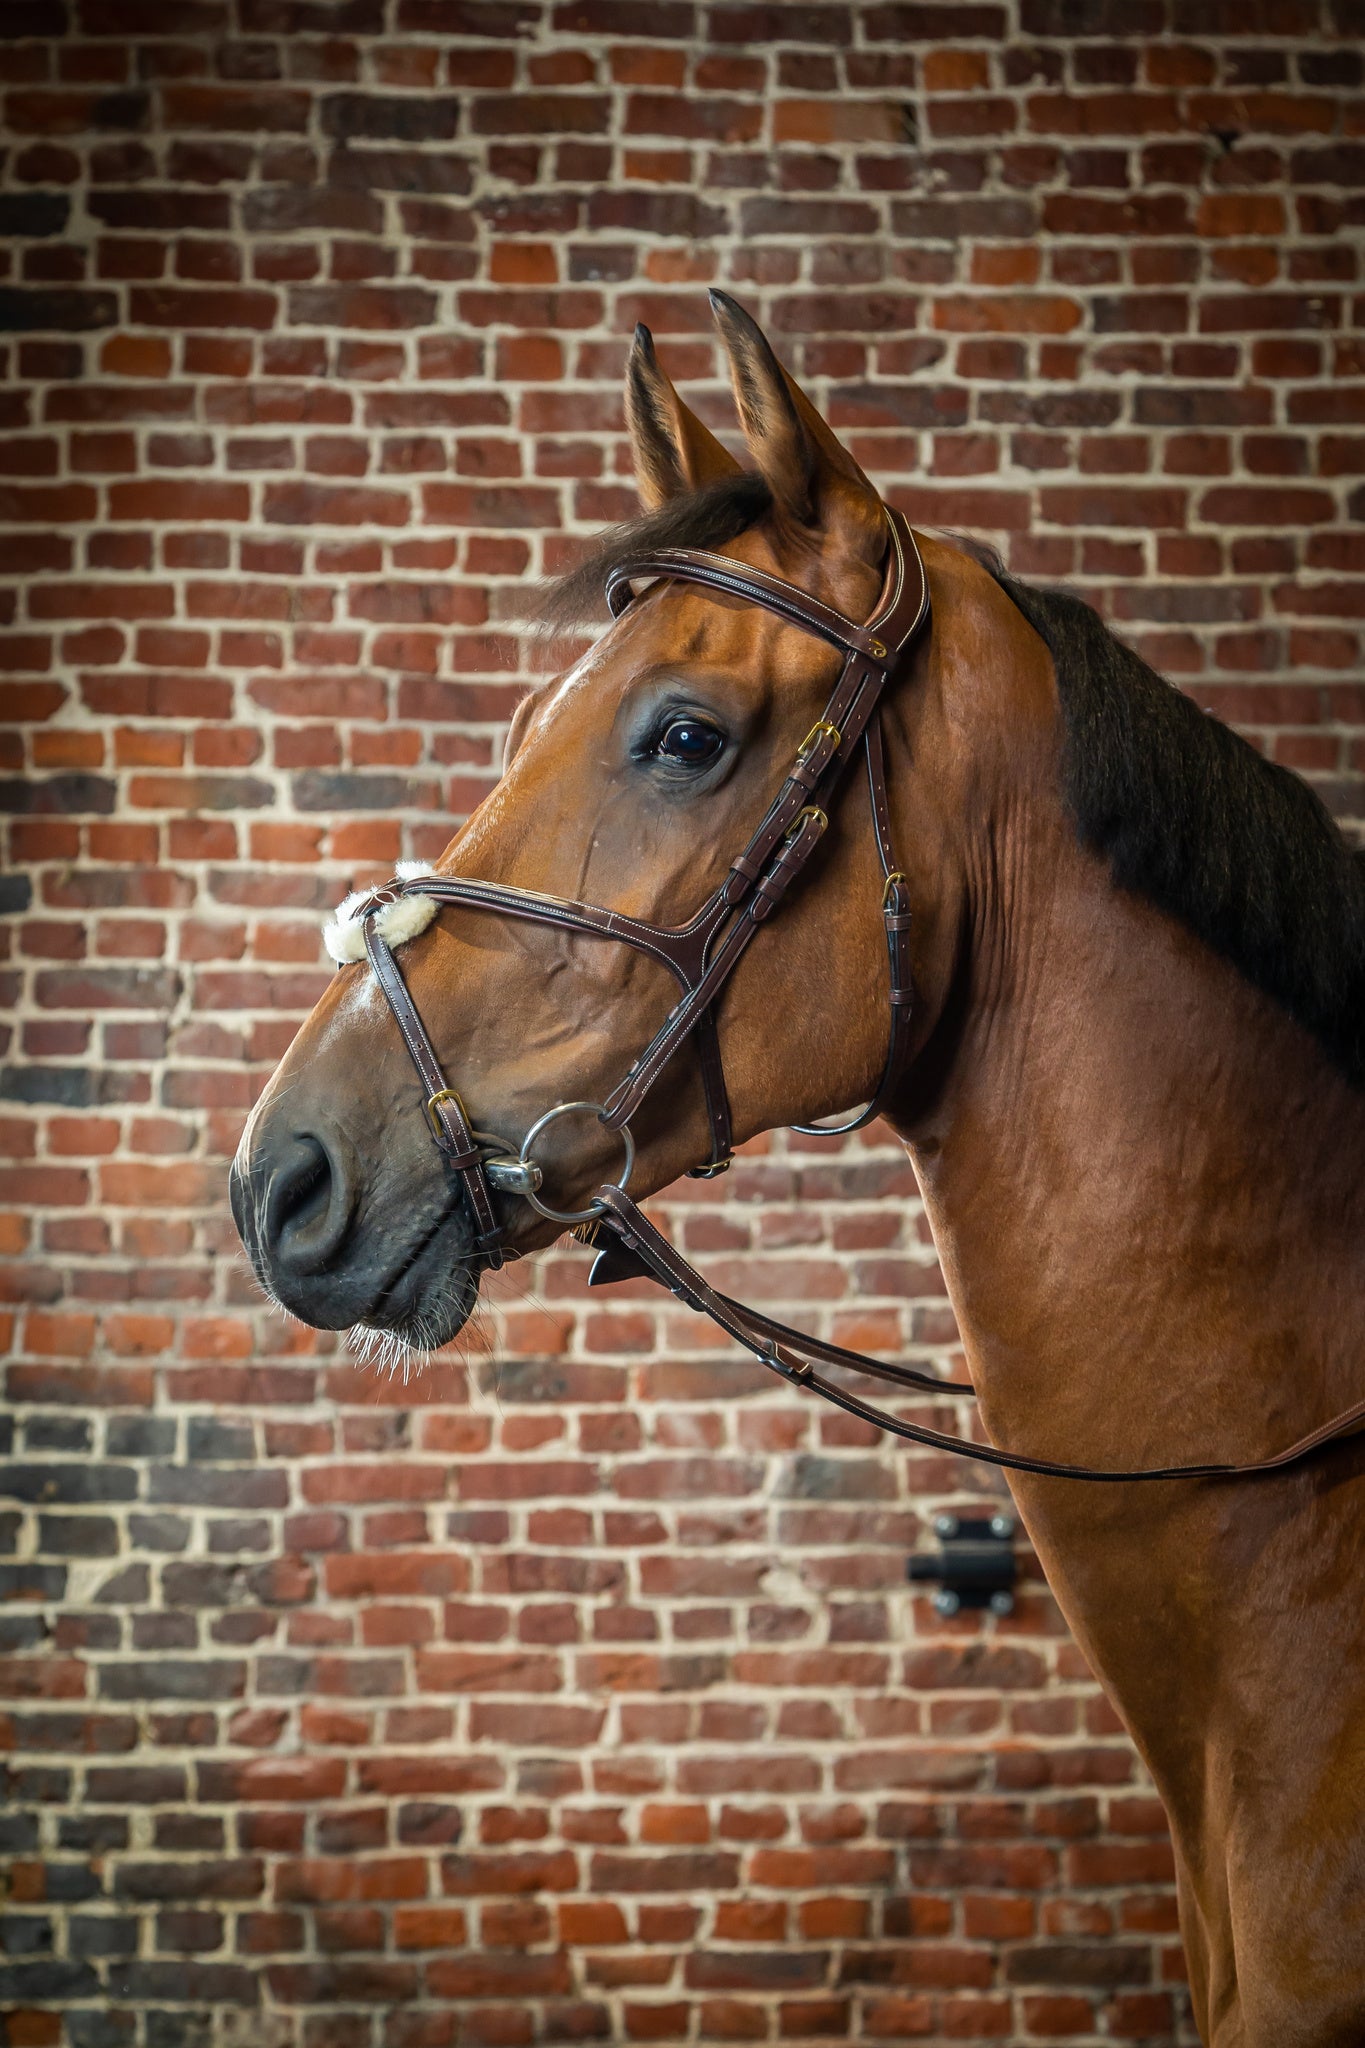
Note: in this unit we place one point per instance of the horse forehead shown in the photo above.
(686, 625)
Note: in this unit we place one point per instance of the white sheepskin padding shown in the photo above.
(344, 937)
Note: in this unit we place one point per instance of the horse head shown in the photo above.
(631, 781)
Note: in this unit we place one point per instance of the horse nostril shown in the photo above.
(308, 1204)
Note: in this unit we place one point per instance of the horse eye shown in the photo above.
(689, 742)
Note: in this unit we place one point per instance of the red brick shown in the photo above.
(275, 472)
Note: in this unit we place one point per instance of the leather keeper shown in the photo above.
(796, 851)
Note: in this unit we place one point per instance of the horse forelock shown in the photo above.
(705, 518)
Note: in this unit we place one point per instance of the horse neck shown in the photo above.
(1144, 1178)
(1144, 1184)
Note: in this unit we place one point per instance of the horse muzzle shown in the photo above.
(335, 1248)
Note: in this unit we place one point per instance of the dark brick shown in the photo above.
(497, 18)
(289, 209)
(937, 21)
(139, 1436)
(170, 212)
(200, 1585)
(376, 117)
(47, 794)
(180, 2029)
(955, 219)
(78, 1732)
(1173, 405)
(30, 20)
(127, 1588)
(25, 1934)
(428, 1821)
(103, 1934)
(671, 19)
(185, 1981)
(1098, 1964)
(316, 790)
(43, 1482)
(173, 1678)
(93, 1833)
(104, 2029)
(135, 1785)
(159, 1532)
(233, 1534)
(35, 214)
(241, 1877)
(52, 1978)
(212, 1441)
(22, 1631)
(682, 215)
(18, 1833)
(1068, 18)
(55, 310)
(827, 27)
(398, 170)
(196, 1486)
(56, 1433)
(78, 1535)
(108, 988)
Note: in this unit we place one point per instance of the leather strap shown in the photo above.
(444, 1111)
(787, 1352)
(704, 952)
(754, 586)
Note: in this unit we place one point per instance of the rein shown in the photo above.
(702, 954)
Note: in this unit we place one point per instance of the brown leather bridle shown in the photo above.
(702, 954)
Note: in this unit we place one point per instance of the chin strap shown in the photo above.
(630, 1248)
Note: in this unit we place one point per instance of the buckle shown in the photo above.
(816, 816)
(896, 876)
(813, 738)
(714, 1170)
(429, 1107)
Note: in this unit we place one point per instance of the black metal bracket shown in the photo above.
(975, 1565)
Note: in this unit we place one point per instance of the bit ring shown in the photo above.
(524, 1155)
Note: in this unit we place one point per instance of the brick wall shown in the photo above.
(577, 1694)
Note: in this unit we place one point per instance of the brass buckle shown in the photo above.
(429, 1107)
(896, 875)
(812, 739)
(712, 1172)
(811, 811)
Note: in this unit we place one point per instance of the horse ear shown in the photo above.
(674, 452)
(814, 480)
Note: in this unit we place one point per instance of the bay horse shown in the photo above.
(1130, 1083)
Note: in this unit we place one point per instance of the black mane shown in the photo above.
(1185, 811)
(1193, 818)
